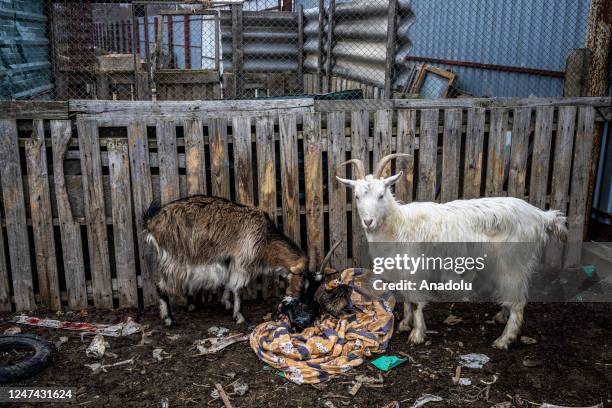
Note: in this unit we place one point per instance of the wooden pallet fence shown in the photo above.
(76, 181)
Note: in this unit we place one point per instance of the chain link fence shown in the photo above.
(267, 48)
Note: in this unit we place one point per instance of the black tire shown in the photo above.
(30, 366)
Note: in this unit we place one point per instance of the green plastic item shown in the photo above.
(589, 270)
(386, 363)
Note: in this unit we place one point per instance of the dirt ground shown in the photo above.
(572, 358)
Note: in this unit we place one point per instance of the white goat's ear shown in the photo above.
(347, 182)
(391, 180)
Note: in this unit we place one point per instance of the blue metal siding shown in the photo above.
(521, 33)
(25, 70)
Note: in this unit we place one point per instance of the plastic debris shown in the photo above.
(215, 344)
(113, 330)
(164, 403)
(531, 362)
(355, 388)
(528, 340)
(386, 363)
(452, 320)
(12, 331)
(329, 404)
(424, 399)
(240, 387)
(218, 331)
(589, 270)
(173, 337)
(465, 381)
(473, 360)
(365, 379)
(97, 367)
(160, 354)
(96, 348)
(62, 340)
(505, 404)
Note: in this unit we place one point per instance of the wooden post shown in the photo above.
(330, 40)
(599, 34)
(300, 45)
(237, 55)
(576, 81)
(320, 42)
(390, 51)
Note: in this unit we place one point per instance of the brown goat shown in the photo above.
(205, 243)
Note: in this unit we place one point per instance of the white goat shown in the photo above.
(504, 219)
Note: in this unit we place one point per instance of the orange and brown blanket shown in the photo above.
(331, 346)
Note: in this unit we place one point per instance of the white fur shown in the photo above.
(502, 219)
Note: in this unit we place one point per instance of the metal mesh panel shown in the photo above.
(265, 48)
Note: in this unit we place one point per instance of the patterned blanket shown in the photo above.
(331, 346)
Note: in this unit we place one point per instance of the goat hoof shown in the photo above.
(228, 305)
(240, 319)
(404, 326)
(501, 344)
(501, 317)
(416, 337)
(168, 322)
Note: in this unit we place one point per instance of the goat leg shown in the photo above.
(164, 306)
(513, 327)
(237, 304)
(406, 323)
(191, 303)
(226, 299)
(417, 335)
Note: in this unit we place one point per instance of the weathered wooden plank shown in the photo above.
(313, 182)
(243, 163)
(336, 154)
(391, 45)
(494, 186)
(382, 137)
(91, 169)
(406, 130)
(14, 213)
(5, 292)
(451, 150)
(585, 134)
(70, 232)
(474, 149)
(518, 152)
(266, 175)
(40, 210)
(428, 152)
(564, 143)
(123, 230)
(220, 176)
(360, 129)
(289, 176)
(33, 109)
(541, 156)
(168, 161)
(194, 157)
(142, 191)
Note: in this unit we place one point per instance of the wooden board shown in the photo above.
(313, 182)
(220, 176)
(360, 129)
(406, 143)
(428, 152)
(194, 157)
(142, 191)
(518, 152)
(474, 148)
(494, 185)
(70, 232)
(40, 212)
(382, 138)
(168, 161)
(585, 134)
(289, 176)
(337, 192)
(451, 151)
(243, 164)
(541, 156)
(95, 213)
(14, 213)
(5, 292)
(123, 229)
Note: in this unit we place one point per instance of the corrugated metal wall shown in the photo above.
(522, 33)
(25, 68)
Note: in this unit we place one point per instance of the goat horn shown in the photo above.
(328, 257)
(383, 162)
(358, 166)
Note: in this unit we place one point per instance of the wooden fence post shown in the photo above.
(390, 48)
(300, 46)
(330, 40)
(237, 51)
(320, 35)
